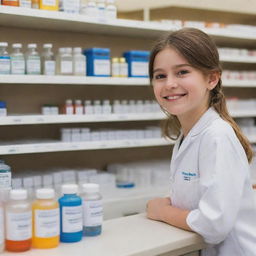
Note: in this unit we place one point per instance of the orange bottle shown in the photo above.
(50, 5)
(10, 2)
(46, 220)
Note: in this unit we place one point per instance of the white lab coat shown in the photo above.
(210, 177)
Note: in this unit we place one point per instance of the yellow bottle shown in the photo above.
(50, 5)
(46, 220)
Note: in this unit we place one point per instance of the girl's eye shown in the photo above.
(182, 72)
(159, 76)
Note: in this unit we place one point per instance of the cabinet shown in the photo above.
(25, 94)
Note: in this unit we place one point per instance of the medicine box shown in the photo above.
(98, 61)
(137, 63)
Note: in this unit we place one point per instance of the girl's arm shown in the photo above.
(161, 209)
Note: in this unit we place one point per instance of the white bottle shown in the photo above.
(26, 3)
(48, 61)
(111, 10)
(65, 61)
(69, 108)
(97, 108)
(115, 68)
(28, 184)
(47, 181)
(106, 107)
(123, 67)
(17, 60)
(88, 108)
(5, 60)
(18, 216)
(116, 107)
(91, 9)
(79, 62)
(101, 10)
(33, 61)
(78, 107)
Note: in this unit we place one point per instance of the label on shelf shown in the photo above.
(47, 223)
(72, 219)
(19, 226)
(139, 68)
(93, 213)
(101, 67)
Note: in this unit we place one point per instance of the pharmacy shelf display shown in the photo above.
(78, 146)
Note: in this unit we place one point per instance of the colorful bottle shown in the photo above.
(35, 4)
(69, 108)
(78, 108)
(92, 209)
(50, 5)
(46, 220)
(48, 61)
(5, 60)
(18, 215)
(33, 61)
(10, 2)
(71, 214)
(79, 62)
(17, 60)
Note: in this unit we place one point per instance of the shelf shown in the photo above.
(50, 20)
(243, 113)
(29, 148)
(62, 119)
(72, 80)
(238, 59)
(239, 83)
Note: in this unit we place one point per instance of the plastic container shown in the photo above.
(35, 4)
(70, 6)
(25, 3)
(91, 9)
(50, 5)
(33, 60)
(79, 62)
(17, 60)
(48, 61)
(69, 108)
(45, 211)
(3, 108)
(18, 222)
(5, 60)
(115, 68)
(137, 63)
(111, 10)
(123, 67)
(92, 209)
(98, 62)
(71, 213)
(78, 107)
(65, 61)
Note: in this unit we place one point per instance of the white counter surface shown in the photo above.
(132, 235)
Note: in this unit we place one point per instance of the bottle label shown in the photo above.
(124, 69)
(139, 68)
(66, 67)
(25, 3)
(17, 66)
(102, 67)
(71, 6)
(5, 179)
(72, 219)
(19, 226)
(69, 110)
(93, 213)
(79, 110)
(79, 67)
(2, 226)
(49, 3)
(49, 67)
(3, 112)
(116, 69)
(5, 65)
(34, 66)
(47, 223)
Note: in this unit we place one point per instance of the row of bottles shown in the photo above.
(102, 9)
(47, 221)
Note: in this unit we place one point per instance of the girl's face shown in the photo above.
(179, 88)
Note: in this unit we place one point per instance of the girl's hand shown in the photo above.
(155, 207)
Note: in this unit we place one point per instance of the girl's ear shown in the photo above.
(213, 79)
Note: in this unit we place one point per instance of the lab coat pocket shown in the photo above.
(185, 194)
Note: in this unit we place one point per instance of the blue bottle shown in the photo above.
(71, 214)
(92, 210)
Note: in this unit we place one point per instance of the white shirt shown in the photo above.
(210, 176)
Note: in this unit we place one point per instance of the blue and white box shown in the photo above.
(98, 61)
(137, 63)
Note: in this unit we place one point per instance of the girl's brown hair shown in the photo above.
(201, 52)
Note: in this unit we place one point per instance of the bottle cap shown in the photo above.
(78, 102)
(69, 101)
(4, 44)
(18, 194)
(69, 189)
(47, 46)
(2, 104)
(115, 60)
(77, 50)
(90, 188)
(32, 46)
(16, 45)
(122, 60)
(68, 50)
(45, 193)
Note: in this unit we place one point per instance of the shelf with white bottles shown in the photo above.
(61, 119)
(239, 83)
(72, 80)
(243, 113)
(238, 59)
(30, 148)
(50, 20)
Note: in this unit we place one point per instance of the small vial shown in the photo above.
(65, 135)
(35, 4)
(117, 107)
(124, 107)
(78, 108)
(75, 135)
(92, 209)
(139, 106)
(91, 9)
(16, 183)
(3, 108)
(25, 3)
(10, 2)
(57, 181)
(79, 62)
(71, 214)
(106, 107)
(101, 9)
(88, 108)
(37, 181)
(131, 106)
(69, 108)
(48, 61)
(47, 181)
(65, 61)
(33, 61)
(115, 67)
(123, 67)
(18, 222)
(28, 184)
(5, 60)
(97, 108)
(111, 10)
(17, 60)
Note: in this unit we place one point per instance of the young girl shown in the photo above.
(211, 192)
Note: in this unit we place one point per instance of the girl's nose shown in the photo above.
(171, 82)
